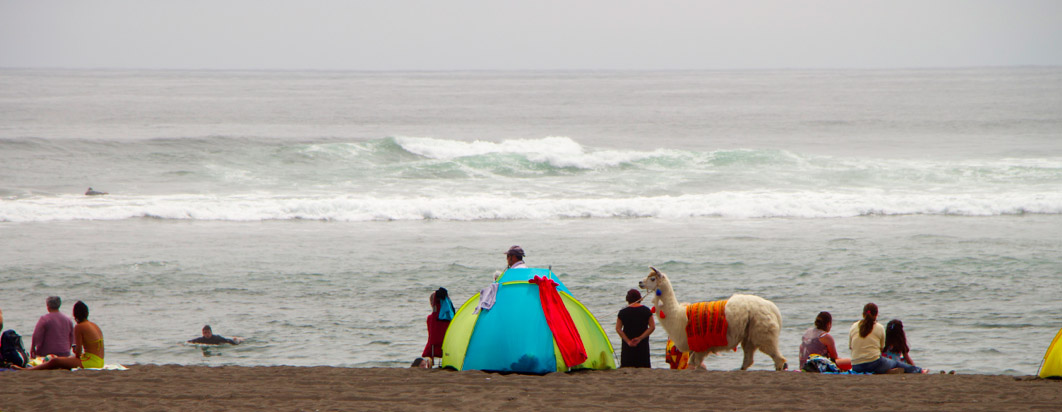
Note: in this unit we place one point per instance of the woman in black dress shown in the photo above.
(634, 324)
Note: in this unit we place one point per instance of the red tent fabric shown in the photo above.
(560, 322)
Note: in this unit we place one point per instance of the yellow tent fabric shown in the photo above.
(457, 335)
(1052, 366)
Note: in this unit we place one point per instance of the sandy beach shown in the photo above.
(172, 387)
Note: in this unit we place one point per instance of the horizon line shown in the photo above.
(540, 70)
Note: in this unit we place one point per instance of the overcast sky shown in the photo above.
(534, 35)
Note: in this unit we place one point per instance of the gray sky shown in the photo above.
(517, 35)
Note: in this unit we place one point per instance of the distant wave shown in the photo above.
(561, 152)
(413, 178)
(487, 207)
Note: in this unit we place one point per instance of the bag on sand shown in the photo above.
(11, 350)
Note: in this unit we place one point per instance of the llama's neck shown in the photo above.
(666, 303)
(665, 296)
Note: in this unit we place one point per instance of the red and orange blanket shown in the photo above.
(707, 325)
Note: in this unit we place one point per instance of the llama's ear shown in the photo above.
(654, 270)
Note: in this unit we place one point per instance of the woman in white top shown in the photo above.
(866, 339)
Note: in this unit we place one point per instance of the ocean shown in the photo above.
(313, 213)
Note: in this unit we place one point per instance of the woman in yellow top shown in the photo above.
(866, 339)
(88, 344)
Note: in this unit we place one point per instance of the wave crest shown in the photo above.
(487, 207)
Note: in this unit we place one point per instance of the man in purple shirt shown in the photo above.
(54, 332)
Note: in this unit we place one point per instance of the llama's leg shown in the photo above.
(771, 349)
(749, 351)
(695, 360)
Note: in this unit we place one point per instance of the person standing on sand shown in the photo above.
(866, 339)
(88, 344)
(515, 258)
(54, 332)
(634, 324)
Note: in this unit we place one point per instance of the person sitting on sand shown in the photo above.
(818, 341)
(209, 338)
(421, 363)
(896, 343)
(442, 312)
(91, 192)
(88, 344)
(54, 333)
(514, 258)
(866, 339)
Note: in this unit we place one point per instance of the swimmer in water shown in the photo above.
(210, 338)
(91, 192)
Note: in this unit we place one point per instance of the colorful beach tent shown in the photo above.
(517, 335)
(1052, 366)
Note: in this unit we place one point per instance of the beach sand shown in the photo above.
(172, 387)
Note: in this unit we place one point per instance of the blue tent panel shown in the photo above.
(526, 274)
(513, 335)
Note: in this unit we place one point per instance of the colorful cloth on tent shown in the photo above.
(487, 296)
(707, 325)
(560, 322)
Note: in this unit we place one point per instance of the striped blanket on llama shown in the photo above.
(707, 325)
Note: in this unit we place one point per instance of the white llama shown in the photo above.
(752, 321)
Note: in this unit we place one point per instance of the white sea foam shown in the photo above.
(485, 207)
(556, 151)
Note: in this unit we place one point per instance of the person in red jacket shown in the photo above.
(442, 311)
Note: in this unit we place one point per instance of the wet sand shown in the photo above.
(184, 388)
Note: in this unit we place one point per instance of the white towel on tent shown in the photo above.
(486, 297)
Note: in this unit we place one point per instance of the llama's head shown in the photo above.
(653, 281)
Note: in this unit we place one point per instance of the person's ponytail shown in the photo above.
(870, 314)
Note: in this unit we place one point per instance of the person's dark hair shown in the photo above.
(417, 362)
(53, 302)
(80, 311)
(633, 295)
(870, 312)
(822, 320)
(207, 327)
(895, 338)
(440, 295)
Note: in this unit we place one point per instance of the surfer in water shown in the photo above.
(91, 192)
(209, 338)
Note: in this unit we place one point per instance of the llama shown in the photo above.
(752, 321)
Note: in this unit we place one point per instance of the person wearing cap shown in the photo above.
(515, 257)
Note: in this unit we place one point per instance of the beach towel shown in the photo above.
(560, 322)
(107, 367)
(486, 297)
(446, 309)
(707, 325)
(820, 364)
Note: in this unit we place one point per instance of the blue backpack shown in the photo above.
(11, 350)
